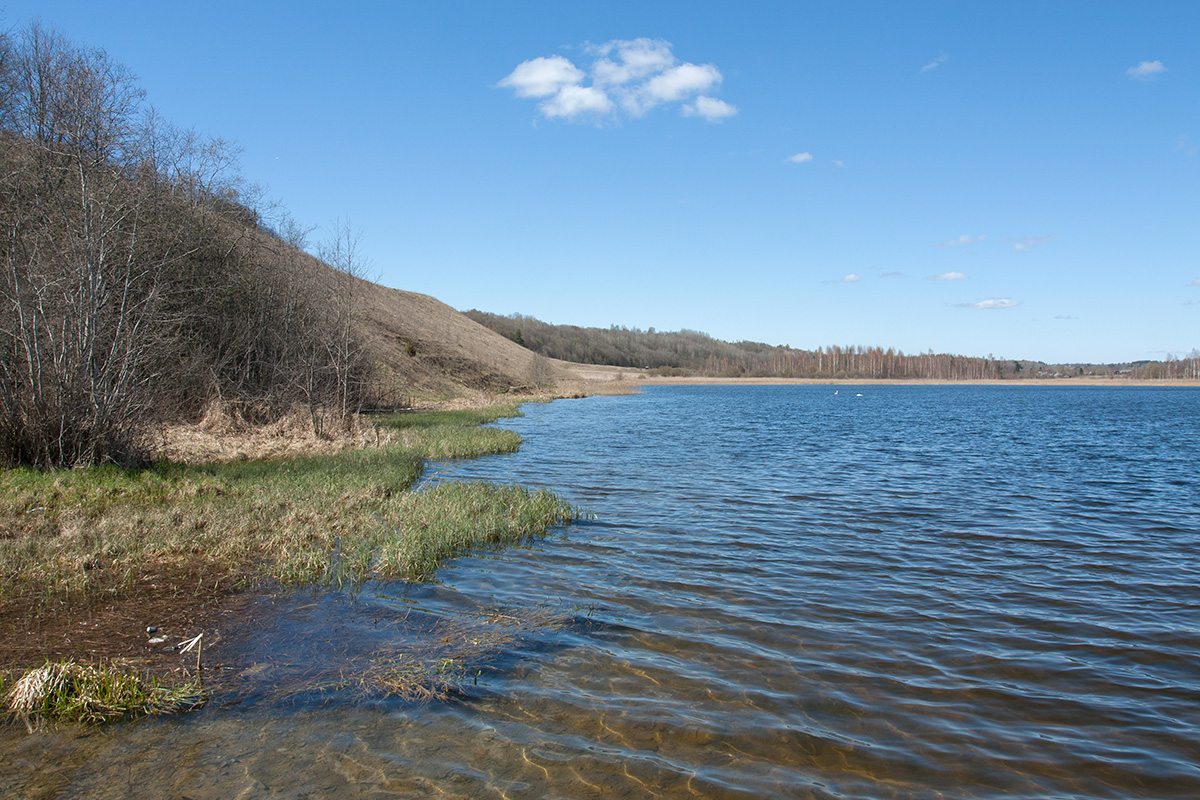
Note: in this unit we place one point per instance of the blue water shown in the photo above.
(883, 592)
(975, 591)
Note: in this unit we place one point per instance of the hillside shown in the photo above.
(423, 350)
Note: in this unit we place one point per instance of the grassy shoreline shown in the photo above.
(118, 549)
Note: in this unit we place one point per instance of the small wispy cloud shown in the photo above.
(1065, 316)
(800, 158)
(1029, 242)
(1195, 282)
(937, 62)
(710, 108)
(851, 278)
(1186, 146)
(892, 274)
(991, 303)
(1146, 70)
(630, 76)
(948, 276)
(964, 239)
(837, 162)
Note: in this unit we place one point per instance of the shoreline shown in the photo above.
(603, 379)
(1068, 382)
(238, 485)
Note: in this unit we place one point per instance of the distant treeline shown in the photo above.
(137, 282)
(689, 352)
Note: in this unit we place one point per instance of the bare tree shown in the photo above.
(81, 282)
(138, 278)
(343, 252)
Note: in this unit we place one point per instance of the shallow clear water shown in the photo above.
(887, 592)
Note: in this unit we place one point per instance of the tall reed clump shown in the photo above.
(70, 691)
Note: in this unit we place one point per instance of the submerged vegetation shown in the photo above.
(435, 663)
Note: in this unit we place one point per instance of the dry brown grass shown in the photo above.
(223, 434)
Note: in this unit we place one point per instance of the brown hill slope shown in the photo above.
(424, 350)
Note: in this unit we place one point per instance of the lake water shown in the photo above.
(873, 592)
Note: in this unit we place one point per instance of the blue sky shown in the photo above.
(1019, 179)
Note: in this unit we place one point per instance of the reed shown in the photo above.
(70, 691)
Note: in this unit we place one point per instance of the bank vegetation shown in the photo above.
(141, 278)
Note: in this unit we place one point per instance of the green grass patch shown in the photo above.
(331, 519)
(454, 434)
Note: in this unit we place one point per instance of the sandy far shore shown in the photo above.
(1076, 382)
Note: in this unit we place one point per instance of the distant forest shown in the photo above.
(689, 352)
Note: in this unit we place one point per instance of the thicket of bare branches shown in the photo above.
(136, 281)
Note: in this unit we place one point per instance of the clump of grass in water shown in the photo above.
(70, 691)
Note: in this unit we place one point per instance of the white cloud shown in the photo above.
(893, 274)
(630, 75)
(1146, 70)
(1183, 145)
(851, 278)
(710, 108)
(542, 77)
(837, 162)
(800, 158)
(948, 276)
(991, 303)
(1029, 242)
(634, 60)
(675, 84)
(964, 239)
(573, 101)
(937, 62)
(1195, 282)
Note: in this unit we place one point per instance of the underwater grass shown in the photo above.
(74, 692)
(452, 653)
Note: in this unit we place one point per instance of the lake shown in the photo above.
(787, 591)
